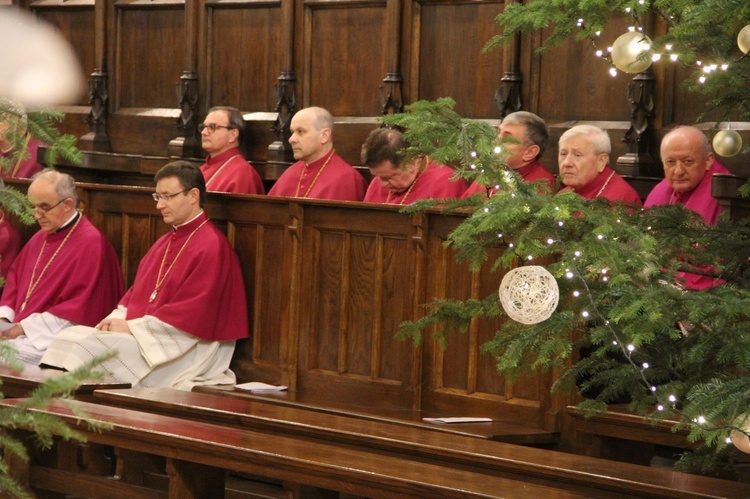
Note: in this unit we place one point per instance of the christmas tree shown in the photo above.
(671, 352)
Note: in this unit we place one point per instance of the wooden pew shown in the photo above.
(196, 455)
(20, 383)
(624, 436)
(196, 452)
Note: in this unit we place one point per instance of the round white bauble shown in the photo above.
(627, 50)
(529, 295)
(727, 143)
(739, 439)
(38, 67)
(743, 39)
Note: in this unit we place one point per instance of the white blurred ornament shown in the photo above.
(38, 66)
(627, 52)
(727, 143)
(743, 39)
(529, 295)
(740, 439)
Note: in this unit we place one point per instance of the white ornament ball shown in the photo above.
(739, 439)
(743, 39)
(627, 50)
(529, 295)
(727, 143)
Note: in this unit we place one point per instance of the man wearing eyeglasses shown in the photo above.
(319, 172)
(177, 325)
(67, 274)
(225, 170)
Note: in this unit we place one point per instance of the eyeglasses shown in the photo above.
(212, 127)
(166, 197)
(44, 208)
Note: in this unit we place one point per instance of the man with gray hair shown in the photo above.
(319, 172)
(67, 274)
(532, 135)
(583, 159)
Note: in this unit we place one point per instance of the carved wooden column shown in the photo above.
(97, 138)
(284, 92)
(508, 96)
(188, 144)
(638, 161)
(390, 93)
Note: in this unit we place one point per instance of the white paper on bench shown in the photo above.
(257, 386)
(456, 420)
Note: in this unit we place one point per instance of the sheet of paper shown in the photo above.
(456, 420)
(257, 387)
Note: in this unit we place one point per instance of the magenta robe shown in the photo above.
(339, 180)
(203, 294)
(433, 183)
(533, 172)
(29, 166)
(609, 185)
(699, 199)
(81, 285)
(229, 172)
(10, 244)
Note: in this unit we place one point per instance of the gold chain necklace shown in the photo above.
(160, 278)
(408, 191)
(299, 182)
(605, 185)
(32, 283)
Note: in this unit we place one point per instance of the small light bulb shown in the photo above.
(724, 67)
(576, 293)
(599, 53)
(473, 166)
(672, 398)
(673, 57)
(631, 348)
(645, 365)
(569, 275)
(529, 257)
(702, 80)
(613, 72)
(656, 57)
(659, 407)
(550, 241)
(577, 253)
(498, 149)
(473, 154)
(584, 314)
(600, 237)
(510, 245)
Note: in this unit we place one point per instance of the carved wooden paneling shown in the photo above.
(449, 37)
(243, 54)
(357, 286)
(149, 53)
(344, 56)
(75, 20)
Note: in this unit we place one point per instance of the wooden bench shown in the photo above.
(197, 454)
(624, 436)
(417, 442)
(20, 383)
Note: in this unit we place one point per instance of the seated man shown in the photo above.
(391, 184)
(177, 325)
(319, 172)
(583, 159)
(67, 274)
(25, 165)
(10, 245)
(531, 131)
(225, 170)
(689, 166)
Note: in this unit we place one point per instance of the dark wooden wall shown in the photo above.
(340, 54)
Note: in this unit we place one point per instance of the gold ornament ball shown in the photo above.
(627, 50)
(743, 39)
(727, 143)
